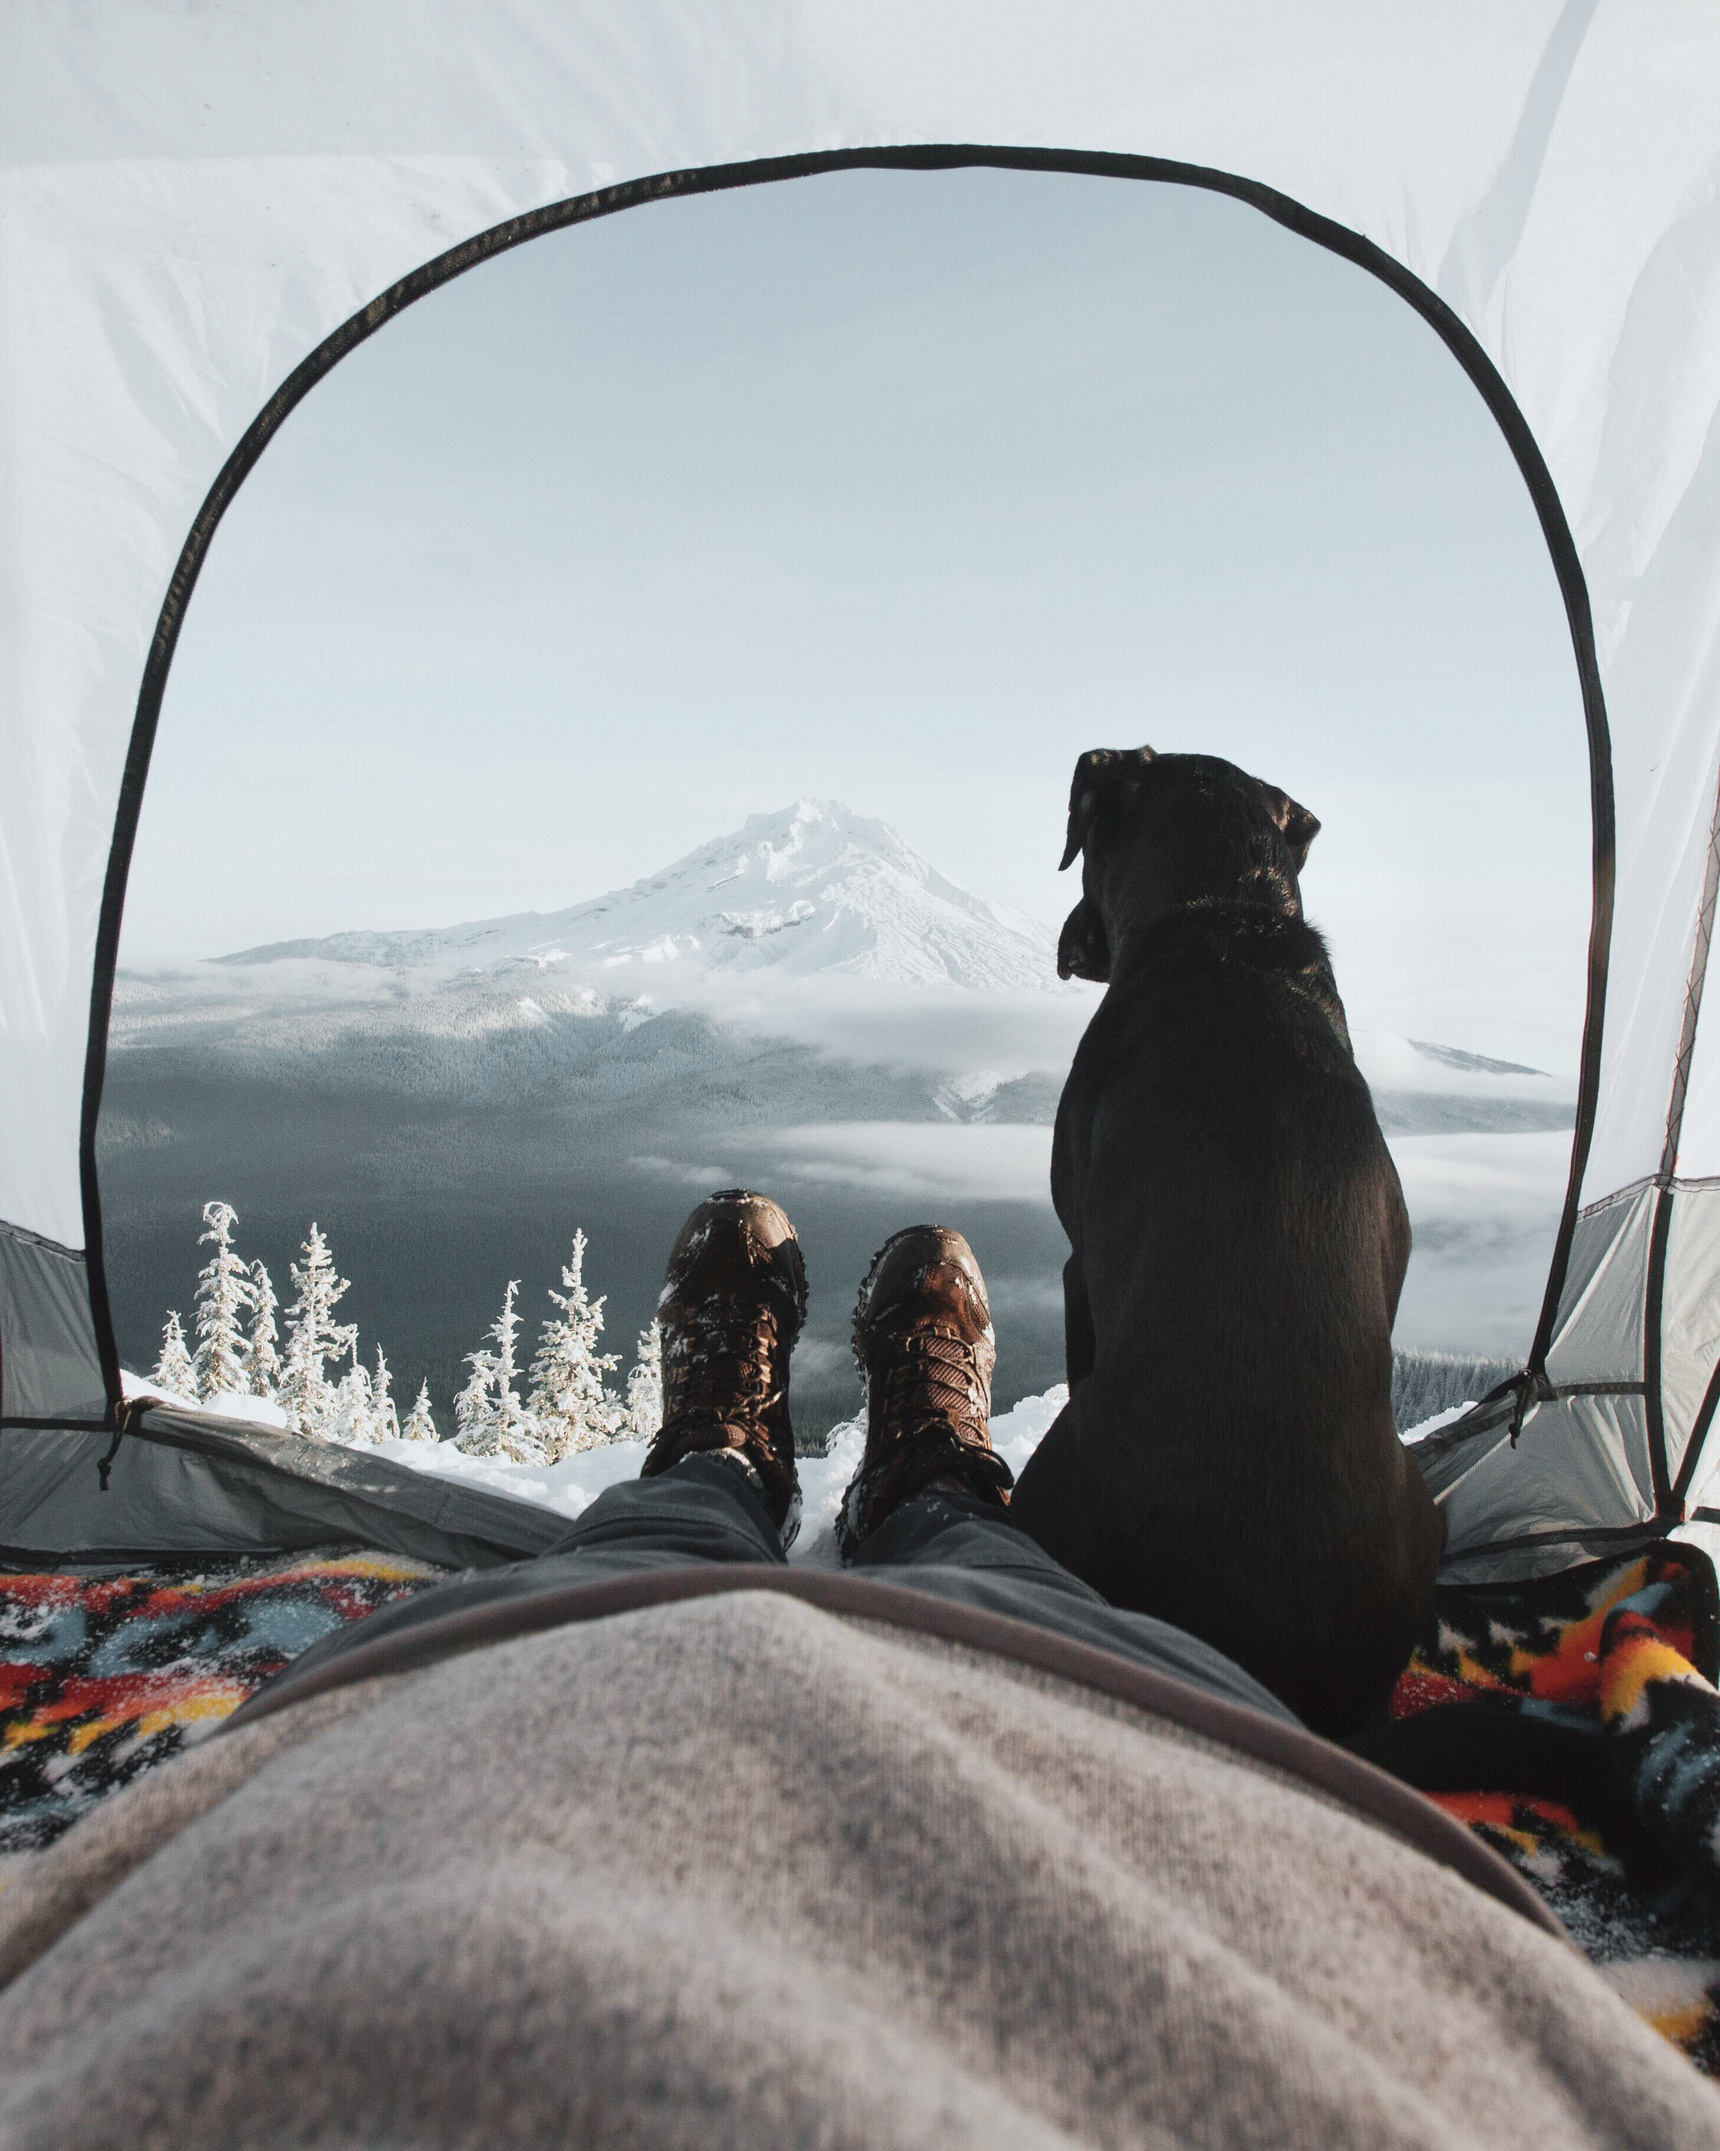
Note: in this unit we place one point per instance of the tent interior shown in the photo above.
(192, 317)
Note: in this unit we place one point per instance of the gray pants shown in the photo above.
(951, 1545)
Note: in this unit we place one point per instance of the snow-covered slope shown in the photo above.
(815, 888)
(572, 1485)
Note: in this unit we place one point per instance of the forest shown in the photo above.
(303, 1365)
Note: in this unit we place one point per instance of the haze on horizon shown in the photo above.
(899, 489)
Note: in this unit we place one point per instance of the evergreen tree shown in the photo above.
(384, 1419)
(645, 1386)
(313, 1338)
(492, 1420)
(572, 1407)
(223, 1295)
(350, 1417)
(420, 1425)
(262, 1361)
(474, 1407)
(173, 1371)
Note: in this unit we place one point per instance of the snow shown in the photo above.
(965, 1097)
(824, 1479)
(257, 1411)
(1392, 1063)
(568, 1488)
(1423, 1428)
(863, 903)
(572, 1485)
(814, 925)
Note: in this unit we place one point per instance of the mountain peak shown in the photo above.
(814, 887)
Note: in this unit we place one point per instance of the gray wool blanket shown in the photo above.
(743, 1871)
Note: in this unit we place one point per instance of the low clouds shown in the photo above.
(926, 1029)
(1484, 1210)
(931, 1161)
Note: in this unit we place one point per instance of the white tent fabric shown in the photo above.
(194, 194)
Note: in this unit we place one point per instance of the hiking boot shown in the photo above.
(731, 1307)
(924, 1344)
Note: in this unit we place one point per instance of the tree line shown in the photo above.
(560, 1404)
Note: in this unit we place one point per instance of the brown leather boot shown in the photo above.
(924, 1343)
(731, 1308)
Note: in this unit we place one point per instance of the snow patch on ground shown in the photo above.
(1425, 1427)
(256, 1411)
(572, 1485)
(568, 1488)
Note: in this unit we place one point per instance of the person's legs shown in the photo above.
(929, 1506)
(948, 1544)
(704, 1510)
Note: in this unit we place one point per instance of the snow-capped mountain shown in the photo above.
(809, 967)
(816, 888)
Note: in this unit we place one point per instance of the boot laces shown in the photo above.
(930, 1376)
(722, 1362)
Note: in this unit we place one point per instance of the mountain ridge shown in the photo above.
(813, 888)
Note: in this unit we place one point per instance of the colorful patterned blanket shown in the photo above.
(1573, 1723)
(103, 1676)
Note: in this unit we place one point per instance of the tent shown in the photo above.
(206, 204)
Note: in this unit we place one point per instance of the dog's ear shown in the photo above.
(1299, 826)
(1082, 950)
(1101, 775)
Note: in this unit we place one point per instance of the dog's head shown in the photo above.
(1159, 830)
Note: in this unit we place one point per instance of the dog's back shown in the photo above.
(1228, 1460)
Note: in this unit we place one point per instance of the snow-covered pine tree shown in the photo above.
(420, 1424)
(491, 1419)
(569, 1401)
(173, 1369)
(313, 1338)
(645, 1386)
(475, 1409)
(350, 1418)
(384, 1419)
(262, 1361)
(223, 1297)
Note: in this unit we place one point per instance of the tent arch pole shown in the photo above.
(1669, 1493)
(1283, 209)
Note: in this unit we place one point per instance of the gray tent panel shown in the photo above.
(1690, 1337)
(1597, 1335)
(1619, 1440)
(1526, 1482)
(50, 1368)
(1576, 1480)
(181, 1483)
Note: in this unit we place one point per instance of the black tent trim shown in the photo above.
(516, 231)
(1669, 1493)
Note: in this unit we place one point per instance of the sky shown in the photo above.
(902, 489)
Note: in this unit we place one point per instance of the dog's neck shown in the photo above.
(1228, 916)
(1277, 939)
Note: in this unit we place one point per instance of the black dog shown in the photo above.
(1227, 1459)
